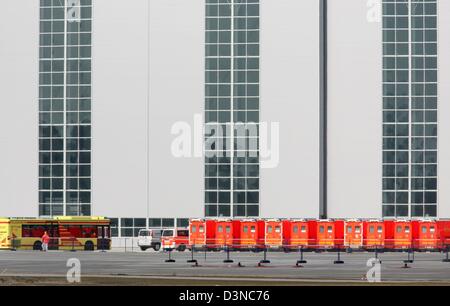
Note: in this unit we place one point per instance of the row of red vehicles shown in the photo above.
(316, 234)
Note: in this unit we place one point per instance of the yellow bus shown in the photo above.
(66, 233)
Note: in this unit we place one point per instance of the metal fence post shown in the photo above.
(376, 254)
(192, 260)
(338, 261)
(302, 260)
(264, 260)
(446, 259)
(228, 260)
(170, 257)
(409, 260)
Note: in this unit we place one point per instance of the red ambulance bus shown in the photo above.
(245, 234)
(443, 227)
(402, 234)
(271, 233)
(353, 234)
(374, 234)
(299, 233)
(330, 234)
(198, 234)
(223, 232)
(425, 234)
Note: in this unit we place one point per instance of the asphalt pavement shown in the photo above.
(426, 267)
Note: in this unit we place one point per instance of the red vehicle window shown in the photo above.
(74, 230)
(26, 231)
(183, 233)
(89, 231)
(37, 230)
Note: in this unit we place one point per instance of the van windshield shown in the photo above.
(167, 233)
(144, 233)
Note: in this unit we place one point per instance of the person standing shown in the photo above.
(45, 240)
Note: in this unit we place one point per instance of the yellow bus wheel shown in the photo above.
(37, 246)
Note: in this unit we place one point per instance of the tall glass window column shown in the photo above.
(232, 108)
(65, 107)
(410, 99)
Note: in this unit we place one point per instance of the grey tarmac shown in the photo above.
(245, 268)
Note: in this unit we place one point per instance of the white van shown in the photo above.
(149, 239)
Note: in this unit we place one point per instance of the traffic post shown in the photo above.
(170, 256)
(192, 260)
(376, 254)
(339, 261)
(264, 260)
(446, 259)
(228, 259)
(301, 260)
(410, 259)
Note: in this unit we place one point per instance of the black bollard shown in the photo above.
(446, 259)
(409, 260)
(410, 252)
(338, 261)
(301, 261)
(228, 260)
(73, 245)
(170, 257)
(264, 260)
(192, 260)
(376, 254)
